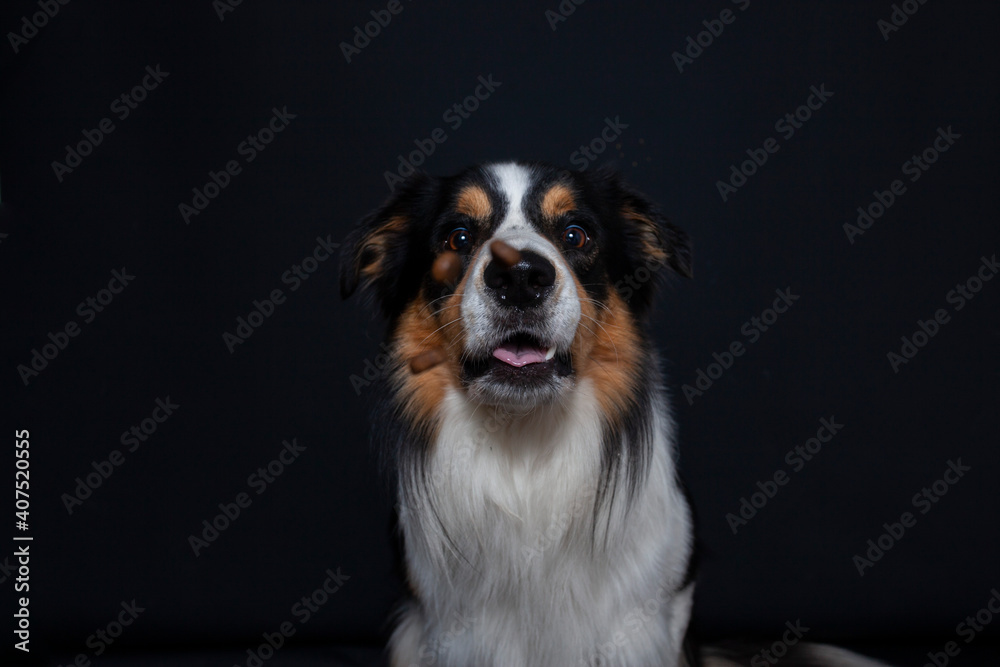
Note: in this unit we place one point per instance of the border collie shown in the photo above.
(526, 426)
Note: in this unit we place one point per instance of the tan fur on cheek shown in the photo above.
(421, 329)
(606, 350)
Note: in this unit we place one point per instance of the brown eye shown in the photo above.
(574, 236)
(460, 239)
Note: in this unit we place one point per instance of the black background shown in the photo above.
(162, 336)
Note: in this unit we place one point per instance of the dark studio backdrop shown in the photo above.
(165, 168)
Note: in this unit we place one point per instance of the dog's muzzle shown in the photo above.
(522, 321)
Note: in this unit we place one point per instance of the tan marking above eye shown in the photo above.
(474, 202)
(558, 201)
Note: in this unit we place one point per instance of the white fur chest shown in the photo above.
(510, 561)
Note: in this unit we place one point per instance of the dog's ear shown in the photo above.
(651, 244)
(650, 234)
(376, 252)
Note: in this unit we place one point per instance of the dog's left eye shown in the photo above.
(575, 236)
(459, 239)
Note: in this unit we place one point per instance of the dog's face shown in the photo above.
(522, 334)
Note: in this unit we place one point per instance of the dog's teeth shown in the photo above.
(550, 353)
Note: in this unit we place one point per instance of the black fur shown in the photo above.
(424, 201)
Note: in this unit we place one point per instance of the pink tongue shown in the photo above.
(519, 355)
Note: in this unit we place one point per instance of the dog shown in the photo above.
(526, 427)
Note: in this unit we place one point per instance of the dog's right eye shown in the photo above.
(575, 237)
(459, 239)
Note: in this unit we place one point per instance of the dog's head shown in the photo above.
(591, 250)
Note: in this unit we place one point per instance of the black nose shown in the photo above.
(525, 284)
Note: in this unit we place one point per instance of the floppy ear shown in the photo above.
(650, 243)
(375, 253)
(650, 234)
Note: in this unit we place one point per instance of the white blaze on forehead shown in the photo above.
(478, 310)
(513, 182)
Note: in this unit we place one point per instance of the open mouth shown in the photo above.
(521, 364)
(522, 349)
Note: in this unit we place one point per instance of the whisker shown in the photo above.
(429, 303)
(596, 361)
(610, 339)
(596, 336)
(452, 344)
(443, 326)
(597, 303)
(433, 301)
(605, 324)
